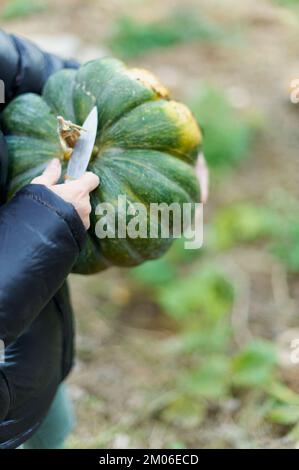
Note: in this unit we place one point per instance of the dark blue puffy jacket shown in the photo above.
(40, 238)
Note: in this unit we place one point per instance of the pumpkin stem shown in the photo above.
(69, 134)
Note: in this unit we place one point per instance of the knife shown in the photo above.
(80, 157)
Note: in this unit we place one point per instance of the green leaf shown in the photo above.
(254, 366)
(283, 393)
(154, 273)
(206, 293)
(242, 222)
(284, 414)
(210, 339)
(211, 379)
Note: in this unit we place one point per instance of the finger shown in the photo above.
(89, 181)
(86, 222)
(50, 175)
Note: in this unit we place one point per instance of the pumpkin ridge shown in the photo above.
(82, 87)
(146, 81)
(63, 81)
(24, 178)
(179, 155)
(96, 265)
(94, 239)
(149, 80)
(18, 108)
(20, 148)
(103, 85)
(110, 124)
(153, 170)
(188, 156)
(160, 92)
(128, 191)
(126, 243)
(175, 153)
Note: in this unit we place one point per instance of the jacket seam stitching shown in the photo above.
(57, 212)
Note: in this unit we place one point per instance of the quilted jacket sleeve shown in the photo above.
(40, 238)
(24, 67)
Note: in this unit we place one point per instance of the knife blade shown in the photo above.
(80, 157)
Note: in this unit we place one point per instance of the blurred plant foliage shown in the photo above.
(286, 3)
(132, 38)
(228, 132)
(275, 224)
(243, 222)
(206, 291)
(21, 8)
(291, 5)
(254, 366)
(199, 295)
(284, 240)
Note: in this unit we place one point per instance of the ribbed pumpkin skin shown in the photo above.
(147, 146)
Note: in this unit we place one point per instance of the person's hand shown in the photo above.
(76, 192)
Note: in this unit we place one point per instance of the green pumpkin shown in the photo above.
(145, 149)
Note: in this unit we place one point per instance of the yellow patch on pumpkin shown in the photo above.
(189, 133)
(149, 80)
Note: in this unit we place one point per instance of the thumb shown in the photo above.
(50, 175)
(89, 181)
